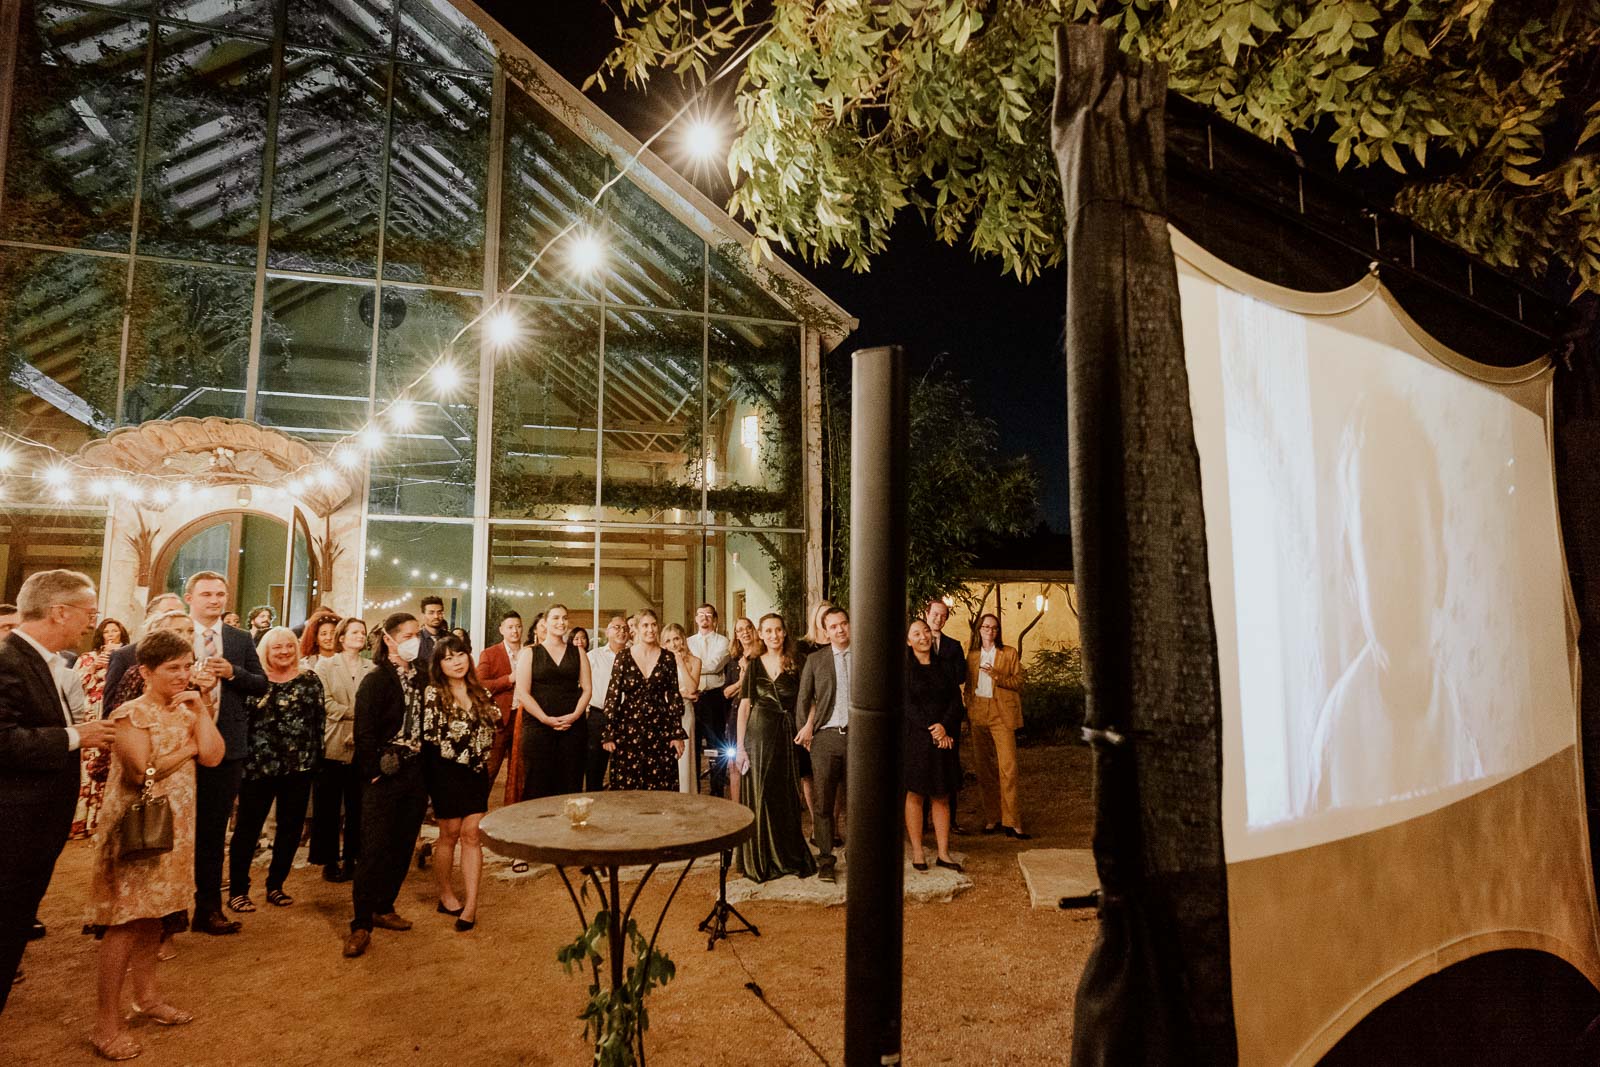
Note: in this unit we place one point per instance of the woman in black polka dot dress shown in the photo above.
(644, 714)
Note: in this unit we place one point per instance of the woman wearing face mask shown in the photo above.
(394, 795)
(338, 784)
(553, 695)
(285, 740)
(458, 723)
(644, 713)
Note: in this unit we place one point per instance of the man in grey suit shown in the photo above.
(825, 698)
(39, 747)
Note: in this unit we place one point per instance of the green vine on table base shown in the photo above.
(616, 1019)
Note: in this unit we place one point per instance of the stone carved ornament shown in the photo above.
(217, 451)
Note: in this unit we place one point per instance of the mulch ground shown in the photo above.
(987, 978)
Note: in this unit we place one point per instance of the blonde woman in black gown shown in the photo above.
(644, 714)
(766, 760)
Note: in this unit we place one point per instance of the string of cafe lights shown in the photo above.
(436, 580)
(69, 480)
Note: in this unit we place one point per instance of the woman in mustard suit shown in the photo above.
(994, 708)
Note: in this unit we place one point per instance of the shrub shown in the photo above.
(1053, 695)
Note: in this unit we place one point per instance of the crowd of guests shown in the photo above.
(369, 729)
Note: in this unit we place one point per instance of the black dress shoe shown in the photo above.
(1014, 833)
(216, 924)
(826, 874)
(36, 931)
(464, 925)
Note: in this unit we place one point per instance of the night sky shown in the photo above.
(938, 301)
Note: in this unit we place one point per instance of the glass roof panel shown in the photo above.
(437, 33)
(653, 259)
(203, 162)
(241, 16)
(60, 342)
(70, 164)
(362, 26)
(438, 176)
(550, 174)
(327, 178)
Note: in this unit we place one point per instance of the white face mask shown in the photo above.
(408, 649)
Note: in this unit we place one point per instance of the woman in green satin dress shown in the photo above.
(770, 784)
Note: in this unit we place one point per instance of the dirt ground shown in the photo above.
(987, 978)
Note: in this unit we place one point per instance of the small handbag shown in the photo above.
(146, 827)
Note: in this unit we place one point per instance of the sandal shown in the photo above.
(278, 898)
(241, 904)
(164, 1015)
(121, 1047)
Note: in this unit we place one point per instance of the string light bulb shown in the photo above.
(371, 438)
(446, 378)
(503, 327)
(702, 139)
(586, 253)
(403, 415)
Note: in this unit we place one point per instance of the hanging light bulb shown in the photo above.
(586, 253)
(56, 475)
(503, 328)
(446, 378)
(403, 415)
(702, 139)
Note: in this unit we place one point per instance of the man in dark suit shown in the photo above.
(952, 658)
(433, 628)
(38, 750)
(124, 658)
(229, 655)
(825, 698)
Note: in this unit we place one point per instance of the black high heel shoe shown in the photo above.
(448, 911)
(465, 925)
(1015, 834)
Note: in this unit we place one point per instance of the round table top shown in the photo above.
(624, 827)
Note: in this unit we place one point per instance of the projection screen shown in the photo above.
(1401, 783)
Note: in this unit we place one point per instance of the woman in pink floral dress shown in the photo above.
(134, 901)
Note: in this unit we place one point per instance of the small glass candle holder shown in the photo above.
(577, 810)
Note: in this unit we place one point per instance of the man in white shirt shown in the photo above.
(39, 744)
(601, 661)
(711, 710)
(230, 656)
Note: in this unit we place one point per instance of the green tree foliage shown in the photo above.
(852, 110)
(961, 492)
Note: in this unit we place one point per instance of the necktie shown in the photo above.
(212, 651)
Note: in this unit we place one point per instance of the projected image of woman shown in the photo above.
(1391, 726)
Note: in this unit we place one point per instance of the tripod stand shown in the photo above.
(717, 920)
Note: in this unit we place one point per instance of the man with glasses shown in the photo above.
(39, 745)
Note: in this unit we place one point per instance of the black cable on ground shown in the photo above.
(755, 987)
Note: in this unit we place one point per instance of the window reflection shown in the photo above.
(189, 342)
(652, 460)
(439, 154)
(755, 427)
(316, 356)
(70, 162)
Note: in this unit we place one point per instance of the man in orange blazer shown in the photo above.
(994, 709)
(495, 669)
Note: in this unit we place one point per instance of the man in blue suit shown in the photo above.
(228, 655)
(124, 659)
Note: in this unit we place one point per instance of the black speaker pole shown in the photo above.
(874, 855)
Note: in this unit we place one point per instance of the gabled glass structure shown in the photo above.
(289, 211)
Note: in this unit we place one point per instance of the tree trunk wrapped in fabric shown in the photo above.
(1156, 988)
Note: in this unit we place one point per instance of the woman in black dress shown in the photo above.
(746, 646)
(644, 713)
(552, 690)
(766, 760)
(933, 711)
(458, 723)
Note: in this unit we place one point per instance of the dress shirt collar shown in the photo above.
(50, 658)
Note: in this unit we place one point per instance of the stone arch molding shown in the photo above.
(215, 451)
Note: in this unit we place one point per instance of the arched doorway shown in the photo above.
(267, 561)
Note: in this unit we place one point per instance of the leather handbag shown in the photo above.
(146, 827)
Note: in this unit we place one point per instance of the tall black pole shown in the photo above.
(875, 853)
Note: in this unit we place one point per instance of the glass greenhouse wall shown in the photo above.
(290, 211)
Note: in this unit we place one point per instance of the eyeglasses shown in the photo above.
(90, 610)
